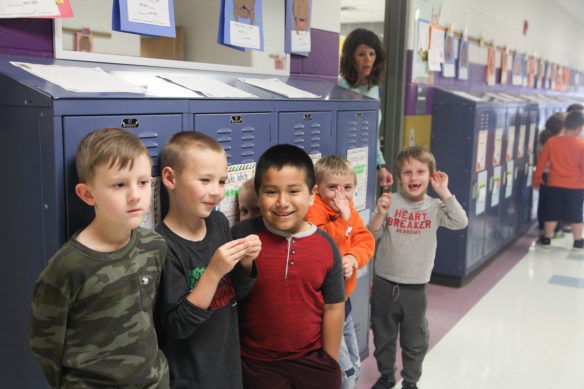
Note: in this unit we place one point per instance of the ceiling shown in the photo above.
(364, 11)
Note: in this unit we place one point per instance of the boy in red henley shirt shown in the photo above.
(291, 322)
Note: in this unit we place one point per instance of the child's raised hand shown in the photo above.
(342, 204)
(439, 181)
(349, 264)
(383, 203)
(227, 256)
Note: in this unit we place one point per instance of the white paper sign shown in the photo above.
(244, 35)
(300, 41)
(434, 60)
(154, 214)
(279, 87)
(154, 12)
(207, 86)
(78, 79)
(28, 8)
(359, 158)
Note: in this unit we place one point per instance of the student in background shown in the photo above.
(206, 271)
(362, 67)
(247, 201)
(565, 181)
(291, 323)
(553, 126)
(334, 213)
(92, 323)
(404, 226)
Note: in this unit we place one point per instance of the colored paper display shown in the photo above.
(298, 17)
(144, 17)
(463, 62)
(241, 24)
(448, 67)
(28, 9)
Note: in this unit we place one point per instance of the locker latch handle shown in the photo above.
(491, 184)
(474, 190)
(307, 116)
(130, 123)
(236, 119)
(359, 115)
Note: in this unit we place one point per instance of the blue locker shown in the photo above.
(311, 131)
(244, 136)
(509, 209)
(153, 130)
(42, 125)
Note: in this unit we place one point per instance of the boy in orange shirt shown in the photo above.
(565, 185)
(333, 212)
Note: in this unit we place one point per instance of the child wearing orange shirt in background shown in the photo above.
(333, 212)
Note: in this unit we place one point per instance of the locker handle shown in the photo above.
(474, 190)
(307, 116)
(504, 179)
(130, 123)
(491, 184)
(236, 119)
(359, 115)
(515, 173)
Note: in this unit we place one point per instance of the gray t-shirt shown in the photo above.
(407, 238)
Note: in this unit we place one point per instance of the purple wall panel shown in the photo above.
(323, 60)
(30, 37)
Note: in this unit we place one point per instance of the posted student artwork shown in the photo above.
(241, 24)
(504, 67)
(145, 17)
(463, 62)
(517, 70)
(298, 16)
(491, 66)
(448, 67)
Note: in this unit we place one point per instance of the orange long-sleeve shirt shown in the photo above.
(351, 236)
(566, 157)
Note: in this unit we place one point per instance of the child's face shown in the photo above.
(200, 186)
(334, 185)
(414, 178)
(284, 199)
(121, 198)
(248, 204)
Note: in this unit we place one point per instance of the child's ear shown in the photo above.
(315, 190)
(311, 198)
(84, 193)
(168, 178)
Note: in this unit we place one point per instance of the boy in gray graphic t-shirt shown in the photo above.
(404, 226)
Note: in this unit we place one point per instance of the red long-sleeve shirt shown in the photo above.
(566, 157)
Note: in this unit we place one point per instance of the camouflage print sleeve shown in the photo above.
(48, 323)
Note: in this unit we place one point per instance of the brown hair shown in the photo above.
(112, 146)
(333, 164)
(175, 151)
(553, 126)
(415, 152)
(348, 68)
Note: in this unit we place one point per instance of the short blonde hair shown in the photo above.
(110, 145)
(247, 185)
(333, 164)
(175, 151)
(415, 152)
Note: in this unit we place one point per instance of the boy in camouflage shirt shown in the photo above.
(92, 310)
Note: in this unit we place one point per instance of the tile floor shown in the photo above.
(518, 325)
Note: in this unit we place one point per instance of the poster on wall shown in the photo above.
(428, 13)
(525, 62)
(540, 73)
(359, 158)
(298, 16)
(448, 68)
(531, 72)
(463, 61)
(241, 24)
(28, 9)
(65, 10)
(144, 17)
(491, 66)
(504, 66)
(547, 80)
(436, 48)
(517, 70)
(236, 176)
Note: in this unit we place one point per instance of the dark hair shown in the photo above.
(553, 126)
(348, 69)
(574, 120)
(575, 107)
(282, 155)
